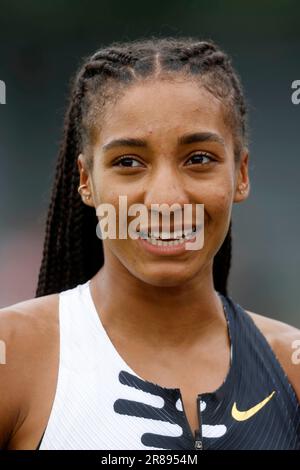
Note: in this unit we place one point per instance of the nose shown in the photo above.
(166, 186)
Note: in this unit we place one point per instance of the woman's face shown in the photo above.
(166, 170)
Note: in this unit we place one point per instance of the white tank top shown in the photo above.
(100, 402)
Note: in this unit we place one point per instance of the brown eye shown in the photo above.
(200, 158)
(128, 162)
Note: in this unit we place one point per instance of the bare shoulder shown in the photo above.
(284, 340)
(28, 332)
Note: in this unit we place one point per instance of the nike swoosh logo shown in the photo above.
(243, 415)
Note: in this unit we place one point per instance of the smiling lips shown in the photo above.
(156, 237)
(163, 245)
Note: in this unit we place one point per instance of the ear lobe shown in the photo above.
(242, 189)
(242, 192)
(83, 188)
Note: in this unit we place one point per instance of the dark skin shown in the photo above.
(167, 304)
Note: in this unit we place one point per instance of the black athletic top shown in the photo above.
(256, 402)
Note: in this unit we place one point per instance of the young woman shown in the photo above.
(135, 343)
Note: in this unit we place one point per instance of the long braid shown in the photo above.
(72, 252)
(69, 226)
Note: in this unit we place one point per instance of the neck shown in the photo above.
(158, 315)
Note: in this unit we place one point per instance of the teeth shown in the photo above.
(154, 235)
(165, 235)
(159, 239)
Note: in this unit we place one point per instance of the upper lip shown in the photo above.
(157, 231)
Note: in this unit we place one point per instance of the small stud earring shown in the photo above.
(242, 189)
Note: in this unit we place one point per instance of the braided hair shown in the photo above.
(72, 252)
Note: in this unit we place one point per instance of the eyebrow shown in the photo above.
(183, 140)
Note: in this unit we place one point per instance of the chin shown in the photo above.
(165, 279)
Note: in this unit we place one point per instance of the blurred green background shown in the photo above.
(41, 45)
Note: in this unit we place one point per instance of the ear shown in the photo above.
(242, 183)
(84, 181)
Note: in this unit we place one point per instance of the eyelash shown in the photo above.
(124, 157)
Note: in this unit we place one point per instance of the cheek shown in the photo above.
(217, 210)
(221, 202)
(217, 199)
(106, 192)
(108, 188)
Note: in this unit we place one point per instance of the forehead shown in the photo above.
(164, 108)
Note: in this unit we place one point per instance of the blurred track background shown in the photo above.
(41, 44)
